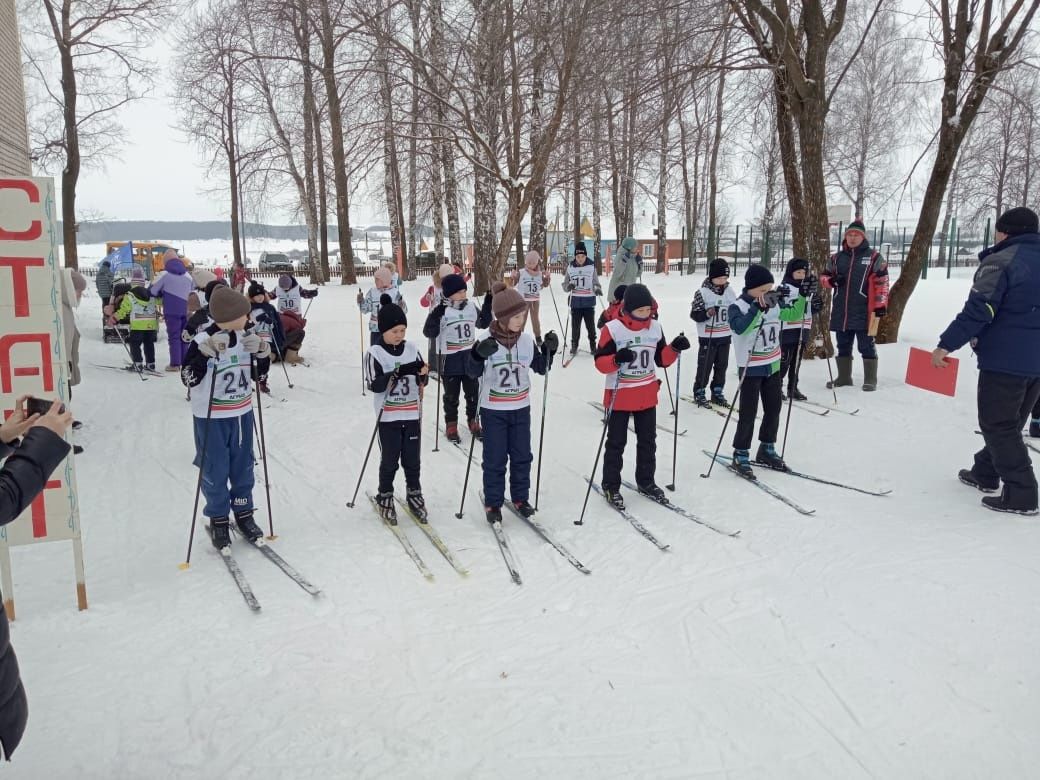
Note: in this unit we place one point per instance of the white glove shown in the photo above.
(264, 351)
(214, 345)
(251, 343)
(186, 337)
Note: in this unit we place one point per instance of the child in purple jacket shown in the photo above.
(174, 286)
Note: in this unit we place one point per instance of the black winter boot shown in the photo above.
(1019, 502)
(524, 508)
(494, 514)
(968, 477)
(654, 492)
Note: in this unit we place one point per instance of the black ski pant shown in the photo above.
(1005, 402)
(712, 360)
(768, 389)
(1036, 411)
(145, 338)
(645, 423)
(451, 385)
(790, 365)
(587, 315)
(399, 442)
(262, 366)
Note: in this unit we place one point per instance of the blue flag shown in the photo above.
(122, 260)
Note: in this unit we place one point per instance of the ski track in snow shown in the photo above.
(883, 637)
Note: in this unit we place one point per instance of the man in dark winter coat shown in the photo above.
(859, 278)
(1001, 319)
(25, 472)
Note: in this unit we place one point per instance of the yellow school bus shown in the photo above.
(148, 254)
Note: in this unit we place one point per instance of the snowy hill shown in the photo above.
(883, 637)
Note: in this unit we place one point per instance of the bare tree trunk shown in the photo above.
(437, 198)
(713, 164)
(951, 193)
(70, 173)
(319, 266)
(576, 158)
(597, 241)
(309, 157)
(536, 240)
(231, 149)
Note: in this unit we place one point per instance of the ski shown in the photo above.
(1025, 440)
(631, 519)
(286, 568)
(130, 370)
(799, 405)
(680, 511)
(507, 553)
(828, 407)
(543, 532)
(631, 425)
(237, 575)
(434, 538)
(823, 481)
(569, 359)
(725, 460)
(405, 543)
(692, 400)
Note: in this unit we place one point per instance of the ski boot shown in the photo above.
(768, 456)
(614, 498)
(654, 492)
(969, 478)
(1018, 505)
(1034, 429)
(247, 526)
(741, 464)
(475, 430)
(592, 347)
(574, 349)
(220, 531)
(385, 502)
(524, 508)
(700, 397)
(451, 433)
(796, 394)
(262, 384)
(494, 514)
(718, 398)
(135, 367)
(150, 366)
(417, 504)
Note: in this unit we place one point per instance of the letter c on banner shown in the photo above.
(35, 229)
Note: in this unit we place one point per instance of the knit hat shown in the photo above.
(444, 270)
(285, 281)
(390, 314)
(579, 249)
(636, 297)
(857, 225)
(383, 277)
(451, 284)
(226, 305)
(213, 285)
(1018, 220)
(532, 259)
(718, 267)
(629, 244)
(255, 289)
(506, 302)
(202, 277)
(619, 292)
(756, 275)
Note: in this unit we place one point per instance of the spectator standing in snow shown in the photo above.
(628, 266)
(240, 277)
(1001, 319)
(104, 281)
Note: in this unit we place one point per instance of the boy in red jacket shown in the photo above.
(630, 349)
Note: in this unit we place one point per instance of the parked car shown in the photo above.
(275, 262)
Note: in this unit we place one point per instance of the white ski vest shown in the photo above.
(793, 294)
(755, 348)
(458, 328)
(583, 279)
(529, 284)
(264, 330)
(372, 305)
(289, 300)
(401, 399)
(506, 383)
(718, 327)
(233, 389)
(643, 369)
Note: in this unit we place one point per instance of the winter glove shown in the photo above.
(551, 343)
(837, 281)
(624, 355)
(567, 284)
(186, 337)
(486, 347)
(409, 369)
(880, 312)
(597, 290)
(774, 298)
(816, 305)
(680, 343)
(264, 351)
(810, 284)
(214, 345)
(251, 343)
(309, 293)
(438, 310)
(360, 297)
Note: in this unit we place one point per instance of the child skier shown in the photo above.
(290, 295)
(756, 319)
(454, 323)
(217, 372)
(614, 309)
(432, 296)
(144, 325)
(710, 310)
(504, 360)
(798, 283)
(268, 326)
(174, 286)
(395, 372)
(371, 301)
(530, 280)
(630, 349)
(581, 282)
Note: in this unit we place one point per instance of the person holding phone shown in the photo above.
(32, 445)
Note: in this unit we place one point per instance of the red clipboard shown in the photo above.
(921, 373)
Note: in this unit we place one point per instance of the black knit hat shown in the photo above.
(718, 267)
(1018, 220)
(255, 289)
(795, 264)
(390, 314)
(619, 292)
(637, 296)
(451, 284)
(756, 275)
(857, 224)
(580, 247)
(211, 286)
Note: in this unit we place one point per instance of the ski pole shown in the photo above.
(671, 398)
(308, 307)
(795, 367)
(541, 435)
(553, 294)
(830, 372)
(122, 341)
(202, 464)
(361, 326)
(469, 463)
(375, 432)
(599, 450)
(437, 419)
(675, 433)
(281, 359)
(736, 398)
(263, 448)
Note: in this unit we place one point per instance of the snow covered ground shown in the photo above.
(883, 637)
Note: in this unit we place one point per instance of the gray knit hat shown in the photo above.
(227, 305)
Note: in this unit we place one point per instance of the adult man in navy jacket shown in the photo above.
(1001, 319)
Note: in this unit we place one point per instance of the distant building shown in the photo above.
(14, 131)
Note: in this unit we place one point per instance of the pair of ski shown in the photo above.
(542, 531)
(243, 584)
(409, 548)
(132, 370)
(820, 410)
(570, 358)
(631, 425)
